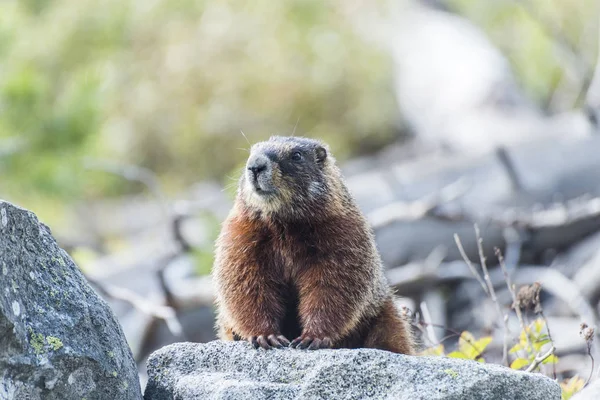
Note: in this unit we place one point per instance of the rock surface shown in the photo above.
(233, 370)
(58, 338)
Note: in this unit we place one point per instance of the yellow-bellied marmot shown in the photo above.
(296, 259)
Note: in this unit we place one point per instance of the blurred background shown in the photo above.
(124, 126)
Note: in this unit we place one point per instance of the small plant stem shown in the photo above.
(511, 289)
(540, 359)
(589, 350)
(551, 341)
(430, 328)
(470, 264)
(492, 294)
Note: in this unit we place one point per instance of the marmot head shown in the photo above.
(288, 177)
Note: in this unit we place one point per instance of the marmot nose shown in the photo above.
(258, 164)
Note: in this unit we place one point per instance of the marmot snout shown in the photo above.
(296, 260)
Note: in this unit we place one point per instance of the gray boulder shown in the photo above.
(58, 339)
(234, 370)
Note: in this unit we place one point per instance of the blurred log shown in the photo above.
(587, 278)
(457, 91)
(552, 173)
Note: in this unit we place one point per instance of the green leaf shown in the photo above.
(571, 386)
(515, 348)
(482, 343)
(550, 360)
(519, 363)
(465, 344)
(433, 351)
(523, 339)
(458, 354)
(470, 347)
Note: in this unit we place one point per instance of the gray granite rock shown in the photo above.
(234, 370)
(58, 339)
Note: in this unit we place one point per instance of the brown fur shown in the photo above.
(308, 270)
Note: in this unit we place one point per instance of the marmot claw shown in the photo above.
(269, 341)
(311, 343)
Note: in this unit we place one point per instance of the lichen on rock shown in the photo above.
(56, 333)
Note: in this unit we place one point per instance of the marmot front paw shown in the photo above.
(311, 343)
(269, 341)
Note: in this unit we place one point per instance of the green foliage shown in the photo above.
(530, 345)
(571, 386)
(168, 85)
(519, 363)
(469, 348)
(531, 341)
(437, 350)
(545, 42)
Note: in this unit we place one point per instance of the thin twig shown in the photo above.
(492, 293)
(470, 264)
(551, 340)
(540, 359)
(427, 318)
(424, 334)
(589, 379)
(588, 334)
(589, 351)
(415, 321)
(511, 289)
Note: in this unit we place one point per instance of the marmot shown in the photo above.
(297, 260)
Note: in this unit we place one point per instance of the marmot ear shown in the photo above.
(321, 154)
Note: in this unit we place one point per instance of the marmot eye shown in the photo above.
(296, 156)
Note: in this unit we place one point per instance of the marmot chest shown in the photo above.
(295, 249)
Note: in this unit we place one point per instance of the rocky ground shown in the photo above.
(226, 370)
